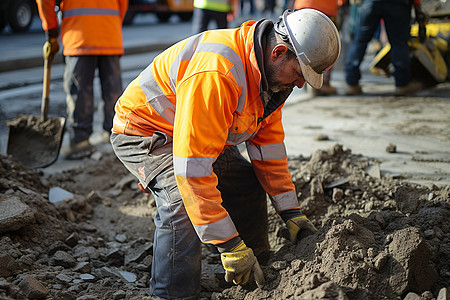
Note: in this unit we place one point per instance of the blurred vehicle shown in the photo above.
(429, 44)
(163, 9)
(18, 14)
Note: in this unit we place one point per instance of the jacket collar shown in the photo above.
(271, 101)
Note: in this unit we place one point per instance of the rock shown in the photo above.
(374, 171)
(380, 260)
(338, 194)
(279, 265)
(115, 257)
(14, 214)
(321, 137)
(410, 268)
(32, 288)
(64, 259)
(64, 278)
(57, 194)
(128, 276)
(121, 238)
(8, 265)
(82, 267)
(407, 199)
(428, 234)
(444, 294)
(391, 148)
(87, 277)
(120, 294)
(57, 246)
(328, 290)
(138, 250)
(72, 240)
(412, 296)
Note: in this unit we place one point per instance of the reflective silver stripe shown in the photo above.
(155, 95)
(237, 138)
(86, 11)
(266, 152)
(193, 167)
(216, 231)
(184, 55)
(284, 201)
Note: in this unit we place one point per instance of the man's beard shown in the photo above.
(272, 80)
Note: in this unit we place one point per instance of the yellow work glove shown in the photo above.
(50, 48)
(296, 224)
(239, 263)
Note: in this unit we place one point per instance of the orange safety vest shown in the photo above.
(328, 7)
(89, 27)
(205, 92)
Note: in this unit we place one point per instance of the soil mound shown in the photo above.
(87, 233)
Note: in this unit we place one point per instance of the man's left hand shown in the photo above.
(296, 224)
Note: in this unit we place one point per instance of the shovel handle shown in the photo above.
(46, 89)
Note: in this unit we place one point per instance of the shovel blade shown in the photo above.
(35, 142)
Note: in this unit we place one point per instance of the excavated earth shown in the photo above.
(87, 232)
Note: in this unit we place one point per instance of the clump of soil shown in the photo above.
(378, 237)
(35, 142)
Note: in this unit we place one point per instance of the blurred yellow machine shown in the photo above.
(429, 44)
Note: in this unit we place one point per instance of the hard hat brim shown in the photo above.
(314, 79)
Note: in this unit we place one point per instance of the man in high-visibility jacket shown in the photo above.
(206, 11)
(91, 34)
(176, 129)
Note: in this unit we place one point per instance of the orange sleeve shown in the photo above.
(269, 158)
(47, 14)
(123, 7)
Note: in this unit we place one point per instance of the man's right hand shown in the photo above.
(50, 48)
(239, 263)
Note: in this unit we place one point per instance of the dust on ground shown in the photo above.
(378, 238)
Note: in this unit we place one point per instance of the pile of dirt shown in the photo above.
(45, 136)
(87, 233)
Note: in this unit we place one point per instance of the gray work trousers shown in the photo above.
(176, 266)
(79, 87)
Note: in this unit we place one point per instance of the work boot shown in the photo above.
(106, 135)
(325, 90)
(79, 150)
(354, 90)
(410, 89)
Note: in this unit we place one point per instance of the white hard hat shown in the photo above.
(315, 39)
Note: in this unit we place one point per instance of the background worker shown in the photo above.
(396, 15)
(206, 11)
(176, 129)
(91, 34)
(330, 8)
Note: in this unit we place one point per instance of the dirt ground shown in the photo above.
(86, 232)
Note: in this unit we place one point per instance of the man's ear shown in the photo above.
(278, 51)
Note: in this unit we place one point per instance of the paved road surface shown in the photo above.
(363, 124)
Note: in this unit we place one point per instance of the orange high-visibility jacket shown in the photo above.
(205, 92)
(328, 7)
(89, 27)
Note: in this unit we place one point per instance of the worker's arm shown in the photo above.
(268, 155)
(48, 15)
(123, 7)
(205, 106)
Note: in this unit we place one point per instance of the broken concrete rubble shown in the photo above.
(378, 237)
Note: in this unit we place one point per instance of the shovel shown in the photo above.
(35, 141)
